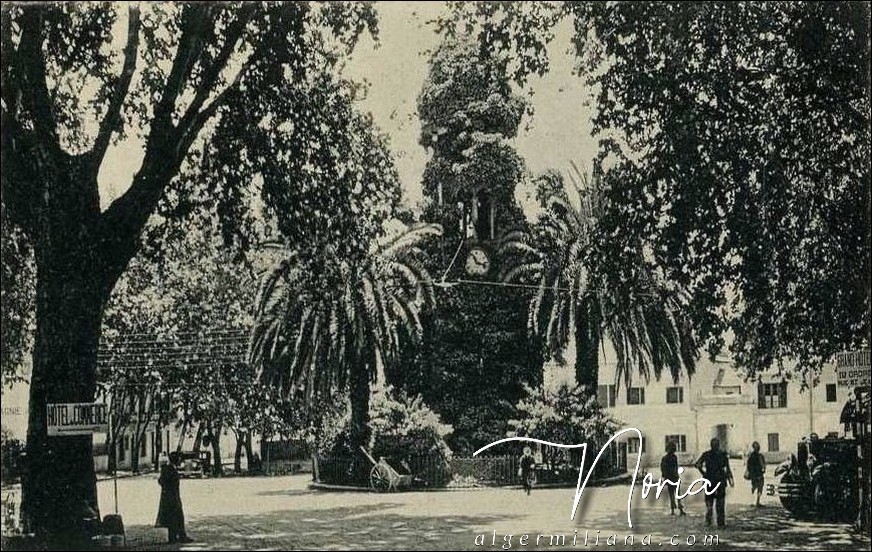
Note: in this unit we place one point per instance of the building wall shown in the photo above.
(718, 403)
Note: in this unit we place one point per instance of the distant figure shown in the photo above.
(847, 417)
(170, 513)
(526, 469)
(669, 470)
(715, 467)
(755, 468)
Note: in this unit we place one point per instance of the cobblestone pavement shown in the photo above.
(282, 513)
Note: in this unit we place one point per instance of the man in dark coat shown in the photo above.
(715, 467)
(526, 469)
(170, 513)
(669, 470)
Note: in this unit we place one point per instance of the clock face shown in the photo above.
(477, 262)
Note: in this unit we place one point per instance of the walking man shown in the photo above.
(526, 469)
(669, 471)
(715, 467)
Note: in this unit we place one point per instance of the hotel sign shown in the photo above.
(77, 418)
(852, 369)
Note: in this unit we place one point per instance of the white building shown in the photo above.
(717, 402)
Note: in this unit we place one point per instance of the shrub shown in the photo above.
(404, 430)
(563, 415)
(404, 427)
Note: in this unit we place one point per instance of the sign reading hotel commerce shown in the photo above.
(77, 418)
(852, 369)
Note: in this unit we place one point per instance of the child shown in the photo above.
(669, 470)
(526, 469)
(755, 469)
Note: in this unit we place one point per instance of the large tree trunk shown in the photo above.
(217, 462)
(237, 454)
(360, 434)
(198, 438)
(135, 445)
(111, 456)
(249, 454)
(61, 483)
(587, 342)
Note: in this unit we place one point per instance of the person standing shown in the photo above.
(669, 470)
(526, 469)
(714, 464)
(169, 512)
(755, 468)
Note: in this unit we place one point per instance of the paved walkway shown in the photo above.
(282, 513)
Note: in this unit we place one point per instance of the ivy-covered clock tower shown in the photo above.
(477, 353)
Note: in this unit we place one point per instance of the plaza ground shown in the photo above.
(283, 513)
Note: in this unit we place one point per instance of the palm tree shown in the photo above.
(315, 335)
(644, 319)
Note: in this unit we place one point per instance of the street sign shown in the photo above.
(77, 419)
(853, 369)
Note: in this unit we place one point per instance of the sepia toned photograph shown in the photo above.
(564, 275)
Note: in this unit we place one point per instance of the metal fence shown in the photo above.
(458, 471)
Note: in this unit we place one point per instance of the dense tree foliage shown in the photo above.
(735, 155)
(644, 320)
(563, 414)
(175, 338)
(16, 300)
(242, 95)
(740, 159)
(310, 338)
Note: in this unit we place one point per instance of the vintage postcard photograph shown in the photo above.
(563, 275)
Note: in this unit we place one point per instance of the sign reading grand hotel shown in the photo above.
(853, 369)
(76, 418)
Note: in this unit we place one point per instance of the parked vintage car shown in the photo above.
(820, 480)
(193, 463)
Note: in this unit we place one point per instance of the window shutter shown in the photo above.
(761, 396)
(782, 394)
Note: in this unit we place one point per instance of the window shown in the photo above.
(772, 438)
(122, 448)
(772, 395)
(606, 395)
(679, 440)
(635, 395)
(142, 447)
(633, 446)
(831, 392)
(674, 395)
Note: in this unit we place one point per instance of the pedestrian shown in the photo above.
(714, 464)
(755, 468)
(848, 417)
(526, 469)
(669, 471)
(169, 512)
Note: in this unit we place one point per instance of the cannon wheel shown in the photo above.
(378, 480)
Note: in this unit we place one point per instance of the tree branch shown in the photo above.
(112, 120)
(190, 45)
(210, 77)
(32, 66)
(192, 128)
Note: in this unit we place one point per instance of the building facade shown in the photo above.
(717, 402)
